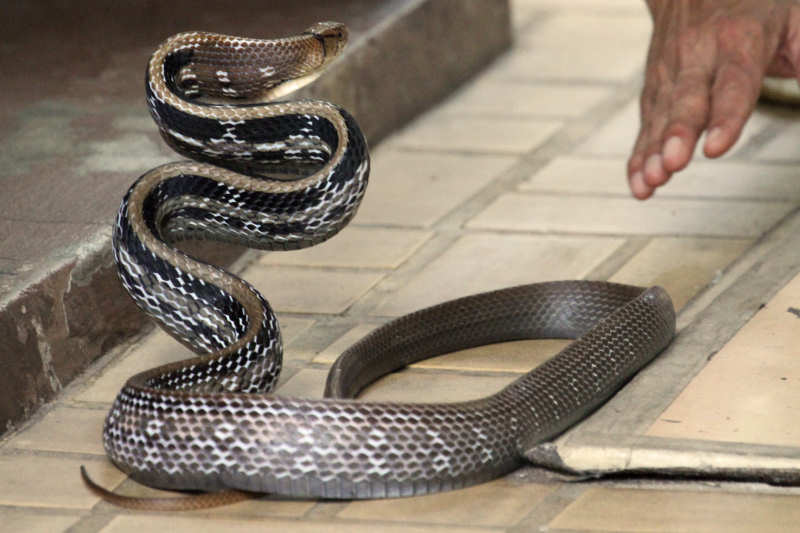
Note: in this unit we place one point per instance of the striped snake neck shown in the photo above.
(236, 192)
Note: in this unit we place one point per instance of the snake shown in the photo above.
(286, 174)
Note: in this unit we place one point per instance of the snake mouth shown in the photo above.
(332, 35)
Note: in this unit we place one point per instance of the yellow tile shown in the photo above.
(582, 6)
(755, 373)
(483, 261)
(173, 524)
(156, 349)
(32, 481)
(568, 63)
(403, 386)
(490, 96)
(516, 356)
(64, 429)
(310, 290)
(409, 386)
(498, 504)
(601, 33)
(783, 147)
(415, 189)
(308, 383)
(293, 328)
(583, 214)
(604, 509)
(355, 247)
(701, 260)
(702, 179)
(15, 521)
(332, 352)
(498, 135)
(611, 47)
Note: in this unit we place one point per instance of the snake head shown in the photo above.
(332, 35)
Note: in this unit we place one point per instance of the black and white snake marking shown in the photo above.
(210, 423)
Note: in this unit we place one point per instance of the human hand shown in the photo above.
(705, 66)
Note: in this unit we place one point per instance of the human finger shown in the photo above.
(733, 97)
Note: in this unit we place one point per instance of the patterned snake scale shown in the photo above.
(210, 423)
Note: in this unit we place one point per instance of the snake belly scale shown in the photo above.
(211, 423)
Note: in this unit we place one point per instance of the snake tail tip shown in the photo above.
(186, 503)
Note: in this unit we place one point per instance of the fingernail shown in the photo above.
(673, 148)
(652, 167)
(714, 138)
(638, 187)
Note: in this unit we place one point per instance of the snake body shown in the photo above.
(211, 423)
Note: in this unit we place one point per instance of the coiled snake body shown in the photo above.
(209, 423)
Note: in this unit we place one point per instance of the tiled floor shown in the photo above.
(517, 178)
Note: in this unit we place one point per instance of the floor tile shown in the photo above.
(582, 5)
(332, 352)
(659, 216)
(481, 262)
(527, 12)
(307, 383)
(756, 373)
(495, 97)
(64, 429)
(616, 137)
(517, 356)
(417, 188)
(293, 328)
(783, 147)
(700, 262)
(579, 46)
(138, 523)
(412, 386)
(156, 349)
(14, 521)
(310, 290)
(483, 135)
(498, 504)
(702, 179)
(402, 386)
(355, 247)
(607, 32)
(603, 509)
(34, 481)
